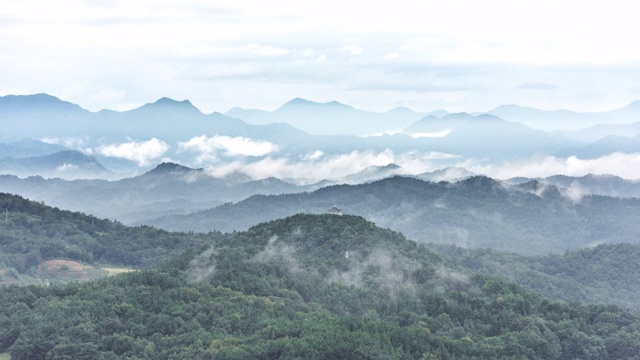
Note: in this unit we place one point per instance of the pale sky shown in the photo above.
(463, 55)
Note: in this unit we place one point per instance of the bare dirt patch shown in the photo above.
(62, 270)
(62, 265)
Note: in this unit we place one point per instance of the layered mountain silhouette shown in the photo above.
(454, 137)
(476, 212)
(27, 148)
(332, 118)
(567, 120)
(68, 164)
(167, 189)
(591, 184)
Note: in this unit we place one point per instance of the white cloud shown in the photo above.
(75, 143)
(208, 147)
(142, 152)
(314, 155)
(352, 49)
(314, 166)
(436, 134)
(145, 50)
(619, 164)
(392, 55)
(67, 167)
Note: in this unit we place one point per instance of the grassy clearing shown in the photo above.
(5, 356)
(116, 270)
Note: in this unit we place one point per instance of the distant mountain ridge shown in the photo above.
(68, 164)
(331, 118)
(167, 189)
(476, 212)
(27, 148)
(605, 185)
(566, 120)
(160, 131)
(45, 116)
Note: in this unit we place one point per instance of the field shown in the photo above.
(115, 270)
(61, 271)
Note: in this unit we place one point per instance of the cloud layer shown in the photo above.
(210, 148)
(462, 55)
(317, 165)
(142, 152)
(620, 164)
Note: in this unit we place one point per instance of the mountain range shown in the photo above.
(68, 164)
(478, 212)
(306, 286)
(130, 142)
(332, 118)
(167, 189)
(569, 121)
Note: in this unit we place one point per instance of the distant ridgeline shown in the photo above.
(286, 289)
(479, 212)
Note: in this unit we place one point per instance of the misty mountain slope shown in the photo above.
(607, 273)
(598, 132)
(332, 118)
(450, 174)
(372, 173)
(307, 286)
(38, 116)
(31, 232)
(477, 212)
(132, 141)
(606, 185)
(27, 148)
(485, 135)
(68, 164)
(607, 145)
(175, 189)
(567, 120)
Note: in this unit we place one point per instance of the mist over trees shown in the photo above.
(389, 298)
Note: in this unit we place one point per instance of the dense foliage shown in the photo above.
(607, 273)
(308, 286)
(32, 232)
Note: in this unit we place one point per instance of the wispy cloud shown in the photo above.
(75, 143)
(620, 164)
(537, 86)
(210, 148)
(352, 49)
(142, 152)
(317, 166)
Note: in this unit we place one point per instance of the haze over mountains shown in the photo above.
(239, 229)
(531, 218)
(262, 144)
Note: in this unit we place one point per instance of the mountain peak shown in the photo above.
(166, 103)
(169, 101)
(479, 182)
(37, 102)
(299, 103)
(167, 168)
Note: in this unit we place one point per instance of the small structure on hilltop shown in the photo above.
(335, 211)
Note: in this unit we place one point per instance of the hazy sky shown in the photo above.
(460, 55)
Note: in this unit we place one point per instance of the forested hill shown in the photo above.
(31, 232)
(478, 212)
(607, 273)
(308, 286)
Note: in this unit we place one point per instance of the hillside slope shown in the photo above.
(478, 212)
(264, 294)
